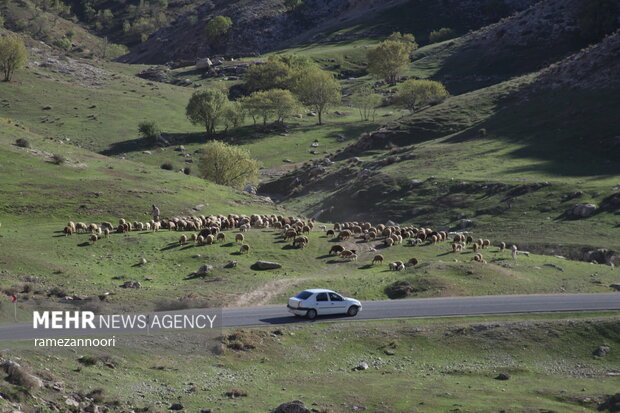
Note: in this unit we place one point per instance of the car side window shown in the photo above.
(335, 297)
(321, 297)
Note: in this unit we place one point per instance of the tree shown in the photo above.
(226, 164)
(403, 37)
(366, 102)
(13, 55)
(233, 115)
(389, 58)
(273, 103)
(318, 90)
(415, 93)
(440, 35)
(276, 73)
(206, 107)
(149, 130)
(218, 26)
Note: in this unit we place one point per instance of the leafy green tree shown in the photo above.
(206, 108)
(13, 55)
(318, 90)
(388, 59)
(227, 165)
(440, 35)
(233, 115)
(274, 103)
(276, 73)
(403, 37)
(218, 26)
(415, 93)
(366, 102)
(149, 130)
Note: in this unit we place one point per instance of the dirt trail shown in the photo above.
(265, 293)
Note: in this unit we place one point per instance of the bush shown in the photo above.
(218, 26)
(167, 166)
(22, 143)
(149, 130)
(58, 159)
(64, 44)
(440, 35)
(88, 360)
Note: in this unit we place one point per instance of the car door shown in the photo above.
(323, 306)
(338, 304)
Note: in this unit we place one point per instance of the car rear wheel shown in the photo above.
(352, 311)
(311, 314)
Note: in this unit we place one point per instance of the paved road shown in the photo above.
(373, 310)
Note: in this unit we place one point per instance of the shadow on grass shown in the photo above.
(365, 267)
(169, 246)
(84, 244)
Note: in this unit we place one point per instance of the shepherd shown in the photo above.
(155, 213)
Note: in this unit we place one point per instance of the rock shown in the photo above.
(287, 161)
(176, 406)
(230, 264)
(180, 148)
(602, 351)
(147, 152)
(318, 170)
(466, 223)
(311, 114)
(204, 269)
(131, 284)
(295, 406)
(615, 286)
(46, 107)
(70, 401)
(267, 265)
(390, 223)
(389, 352)
(250, 189)
(582, 210)
(361, 366)
(414, 182)
(502, 376)
(205, 63)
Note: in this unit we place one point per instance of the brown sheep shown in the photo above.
(330, 233)
(486, 243)
(344, 234)
(413, 262)
(245, 249)
(93, 238)
(183, 239)
(378, 258)
(68, 230)
(475, 246)
(209, 239)
(239, 238)
(346, 254)
(200, 240)
(193, 237)
(469, 239)
(396, 266)
(221, 236)
(106, 232)
(388, 242)
(336, 249)
(305, 229)
(502, 246)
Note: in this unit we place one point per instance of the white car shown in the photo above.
(311, 303)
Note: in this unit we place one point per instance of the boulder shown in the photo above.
(231, 264)
(390, 223)
(204, 269)
(250, 189)
(205, 63)
(466, 223)
(131, 284)
(176, 406)
(602, 351)
(295, 406)
(615, 286)
(582, 210)
(503, 376)
(267, 265)
(361, 366)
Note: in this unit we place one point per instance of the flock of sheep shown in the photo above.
(207, 230)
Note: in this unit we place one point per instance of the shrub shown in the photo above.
(64, 44)
(57, 292)
(167, 166)
(22, 143)
(440, 35)
(218, 26)
(88, 360)
(58, 159)
(148, 130)
(227, 164)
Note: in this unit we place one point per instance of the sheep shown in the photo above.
(156, 226)
(122, 221)
(172, 226)
(455, 247)
(514, 252)
(221, 236)
(106, 232)
(93, 238)
(300, 242)
(369, 236)
(245, 249)
(479, 258)
(475, 246)
(378, 258)
(413, 262)
(323, 228)
(330, 233)
(107, 225)
(469, 239)
(388, 242)
(147, 226)
(305, 229)
(239, 238)
(200, 240)
(183, 239)
(68, 230)
(344, 235)
(502, 246)
(348, 255)
(193, 237)
(290, 234)
(396, 266)
(80, 226)
(486, 243)
(352, 257)
(209, 239)
(336, 249)
(244, 227)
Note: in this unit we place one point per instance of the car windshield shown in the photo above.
(303, 295)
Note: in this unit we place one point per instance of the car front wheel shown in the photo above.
(352, 312)
(311, 314)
